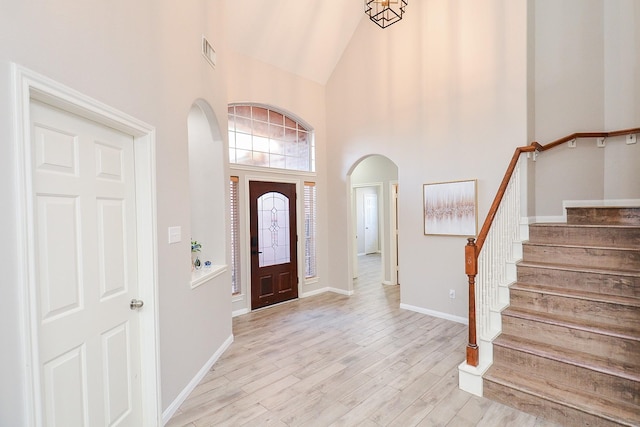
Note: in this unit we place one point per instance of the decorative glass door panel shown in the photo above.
(273, 229)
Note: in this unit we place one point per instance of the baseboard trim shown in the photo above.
(314, 292)
(439, 314)
(179, 400)
(340, 291)
(240, 312)
(326, 289)
(548, 218)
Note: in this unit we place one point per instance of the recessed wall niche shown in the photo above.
(207, 189)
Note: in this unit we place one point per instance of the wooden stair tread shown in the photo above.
(577, 268)
(564, 224)
(570, 356)
(578, 294)
(563, 245)
(618, 331)
(612, 410)
(602, 207)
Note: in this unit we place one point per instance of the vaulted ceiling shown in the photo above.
(304, 37)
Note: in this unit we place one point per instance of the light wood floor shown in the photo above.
(332, 360)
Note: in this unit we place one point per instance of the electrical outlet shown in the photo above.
(452, 293)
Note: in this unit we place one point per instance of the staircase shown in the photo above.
(570, 344)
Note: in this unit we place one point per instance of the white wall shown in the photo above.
(442, 94)
(587, 78)
(142, 58)
(621, 96)
(622, 63)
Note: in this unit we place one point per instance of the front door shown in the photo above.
(85, 271)
(274, 266)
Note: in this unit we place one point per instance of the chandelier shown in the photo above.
(385, 12)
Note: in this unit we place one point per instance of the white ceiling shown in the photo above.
(304, 37)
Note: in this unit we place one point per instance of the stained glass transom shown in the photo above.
(259, 136)
(273, 229)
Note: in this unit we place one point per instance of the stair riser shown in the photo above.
(585, 236)
(627, 286)
(610, 216)
(605, 313)
(548, 410)
(563, 373)
(622, 350)
(589, 257)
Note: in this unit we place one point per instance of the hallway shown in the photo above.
(333, 360)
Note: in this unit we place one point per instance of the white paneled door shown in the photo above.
(85, 270)
(371, 223)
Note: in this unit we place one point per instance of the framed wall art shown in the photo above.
(451, 208)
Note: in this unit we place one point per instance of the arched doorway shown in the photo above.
(373, 182)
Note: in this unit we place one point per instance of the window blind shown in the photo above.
(310, 229)
(236, 287)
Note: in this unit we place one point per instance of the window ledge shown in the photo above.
(239, 166)
(199, 277)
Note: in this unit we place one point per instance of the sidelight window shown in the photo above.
(234, 207)
(310, 229)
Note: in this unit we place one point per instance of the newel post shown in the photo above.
(471, 270)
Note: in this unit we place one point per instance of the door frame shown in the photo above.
(247, 234)
(394, 267)
(29, 85)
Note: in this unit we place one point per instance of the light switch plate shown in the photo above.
(175, 234)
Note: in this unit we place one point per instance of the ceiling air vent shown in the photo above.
(208, 52)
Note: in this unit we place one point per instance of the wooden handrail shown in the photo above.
(474, 246)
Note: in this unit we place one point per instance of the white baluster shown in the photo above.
(496, 252)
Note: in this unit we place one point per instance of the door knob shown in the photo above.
(136, 304)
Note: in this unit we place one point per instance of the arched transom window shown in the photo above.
(260, 136)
